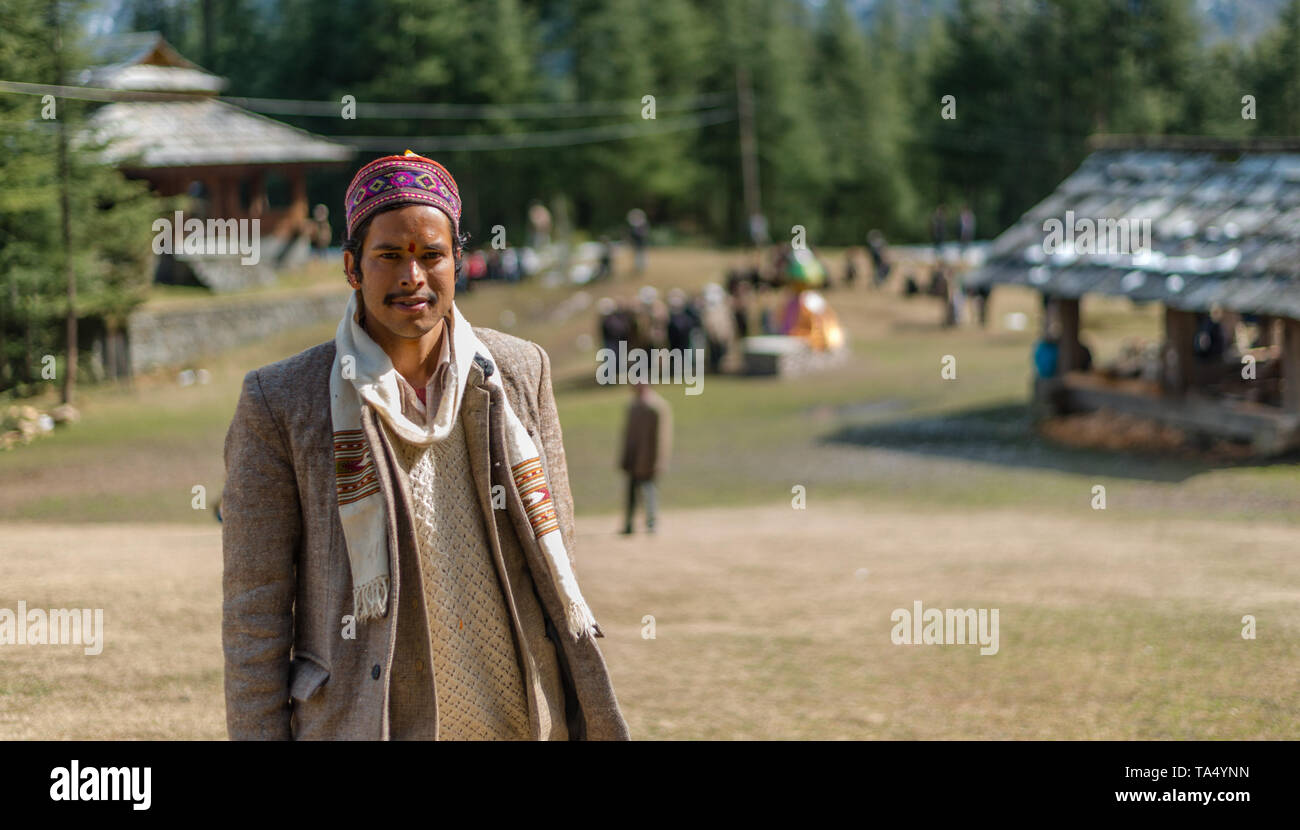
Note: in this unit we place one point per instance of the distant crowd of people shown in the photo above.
(755, 293)
(680, 322)
(945, 280)
(939, 226)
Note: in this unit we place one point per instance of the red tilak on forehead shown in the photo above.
(411, 247)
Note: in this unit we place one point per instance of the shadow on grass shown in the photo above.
(1004, 435)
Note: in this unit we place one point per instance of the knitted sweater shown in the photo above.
(477, 675)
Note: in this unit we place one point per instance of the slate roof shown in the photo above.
(204, 132)
(144, 61)
(192, 127)
(1224, 219)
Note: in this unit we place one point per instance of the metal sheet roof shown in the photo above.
(204, 132)
(1224, 230)
(193, 130)
(145, 61)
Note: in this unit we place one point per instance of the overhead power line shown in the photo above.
(707, 113)
(379, 110)
(89, 93)
(557, 109)
(550, 138)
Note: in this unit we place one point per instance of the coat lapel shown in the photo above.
(474, 411)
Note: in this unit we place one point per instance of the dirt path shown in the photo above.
(769, 622)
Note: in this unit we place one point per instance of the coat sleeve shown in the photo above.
(625, 448)
(260, 532)
(556, 464)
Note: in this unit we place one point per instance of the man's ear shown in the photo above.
(350, 269)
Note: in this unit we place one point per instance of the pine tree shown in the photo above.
(27, 198)
(110, 217)
(858, 107)
(1273, 75)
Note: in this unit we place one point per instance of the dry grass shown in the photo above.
(766, 626)
(159, 675)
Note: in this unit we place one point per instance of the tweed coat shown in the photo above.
(647, 438)
(291, 670)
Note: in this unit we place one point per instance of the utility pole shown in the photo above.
(208, 24)
(65, 218)
(748, 148)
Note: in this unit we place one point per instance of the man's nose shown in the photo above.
(414, 273)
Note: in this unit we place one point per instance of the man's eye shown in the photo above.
(389, 255)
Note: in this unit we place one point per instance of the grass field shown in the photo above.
(770, 621)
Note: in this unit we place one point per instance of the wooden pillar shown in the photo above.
(1265, 331)
(211, 204)
(1070, 354)
(1179, 359)
(225, 197)
(216, 186)
(298, 197)
(1230, 321)
(5, 316)
(257, 195)
(1290, 364)
(110, 349)
(13, 308)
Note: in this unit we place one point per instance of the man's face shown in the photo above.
(408, 275)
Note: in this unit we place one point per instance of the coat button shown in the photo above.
(375, 672)
(419, 665)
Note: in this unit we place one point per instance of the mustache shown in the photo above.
(431, 297)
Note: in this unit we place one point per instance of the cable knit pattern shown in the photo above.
(477, 676)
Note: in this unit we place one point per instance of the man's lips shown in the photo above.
(411, 303)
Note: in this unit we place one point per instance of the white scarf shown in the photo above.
(364, 372)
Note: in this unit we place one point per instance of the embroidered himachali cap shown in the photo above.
(401, 180)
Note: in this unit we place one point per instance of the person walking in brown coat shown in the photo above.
(647, 445)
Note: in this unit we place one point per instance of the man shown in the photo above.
(397, 515)
(939, 229)
(877, 247)
(639, 231)
(321, 234)
(647, 445)
(966, 228)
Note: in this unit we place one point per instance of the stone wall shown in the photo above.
(174, 338)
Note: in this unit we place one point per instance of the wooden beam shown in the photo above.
(298, 197)
(1179, 358)
(257, 204)
(1268, 428)
(1265, 331)
(225, 197)
(1070, 354)
(1290, 364)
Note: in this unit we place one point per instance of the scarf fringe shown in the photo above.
(581, 622)
(371, 599)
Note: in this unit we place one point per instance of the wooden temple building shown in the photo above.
(1222, 258)
(232, 163)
